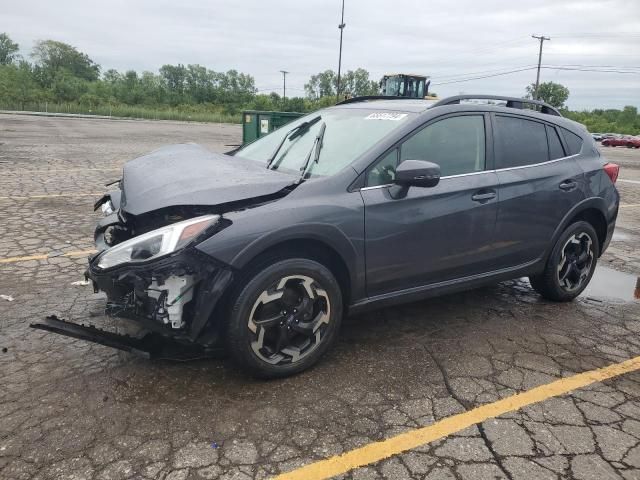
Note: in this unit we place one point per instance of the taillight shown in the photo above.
(612, 170)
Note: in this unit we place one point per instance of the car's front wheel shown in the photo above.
(284, 318)
(570, 265)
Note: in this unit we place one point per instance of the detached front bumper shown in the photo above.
(173, 296)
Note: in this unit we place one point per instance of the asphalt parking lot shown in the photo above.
(71, 410)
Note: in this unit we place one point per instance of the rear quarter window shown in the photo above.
(573, 141)
(555, 145)
(520, 142)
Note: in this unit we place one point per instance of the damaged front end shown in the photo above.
(147, 262)
(159, 280)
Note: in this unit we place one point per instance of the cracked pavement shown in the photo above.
(72, 410)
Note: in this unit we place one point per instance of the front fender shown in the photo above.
(328, 234)
(339, 226)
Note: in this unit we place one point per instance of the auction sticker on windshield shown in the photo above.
(385, 116)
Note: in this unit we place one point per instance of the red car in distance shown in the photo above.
(629, 142)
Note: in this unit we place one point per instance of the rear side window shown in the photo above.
(574, 142)
(457, 144)
(555, 145)
(520, 142)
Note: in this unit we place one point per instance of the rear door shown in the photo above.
(540, 181)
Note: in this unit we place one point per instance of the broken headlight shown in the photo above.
(156, 243)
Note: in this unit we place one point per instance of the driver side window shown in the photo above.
(457, 144)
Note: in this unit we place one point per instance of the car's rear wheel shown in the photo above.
(570, 265)
(285, 318)
(629, 145)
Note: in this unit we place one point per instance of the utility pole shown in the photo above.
(284, 84)
(542, 38)
(341, 27)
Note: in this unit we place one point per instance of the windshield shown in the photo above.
(349, 132)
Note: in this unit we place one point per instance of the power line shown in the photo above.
(549, 67)
(598, 35)
(446, 77)
(481, 72)
(478, 75)
(486, 76)
(595, 66)
(554, 67)
(589, 54)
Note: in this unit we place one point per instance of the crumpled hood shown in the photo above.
(188, 174)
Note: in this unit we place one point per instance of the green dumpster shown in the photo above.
(256, 124)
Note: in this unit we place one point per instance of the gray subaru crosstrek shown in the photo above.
(370, 203)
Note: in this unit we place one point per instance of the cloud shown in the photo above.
(438, 38)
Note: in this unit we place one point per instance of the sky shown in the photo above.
(449, 41)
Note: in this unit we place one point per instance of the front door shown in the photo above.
(433, 234)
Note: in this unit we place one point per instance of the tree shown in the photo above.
(628, 115)
(67, 87)
(17, 85)
(111, 76)
(52, 57)
(552, 93)
(357, 83)
(354, 83)
(8, 50)
(321, 85)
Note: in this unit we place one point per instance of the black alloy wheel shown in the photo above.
(284, 317)
(570, 265)
(288, 319)
(575, 262)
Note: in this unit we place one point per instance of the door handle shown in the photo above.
(568, 185)
(483, 196)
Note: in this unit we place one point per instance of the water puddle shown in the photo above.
(619, 236)
(607, 283)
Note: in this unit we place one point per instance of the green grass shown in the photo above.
(186, 114)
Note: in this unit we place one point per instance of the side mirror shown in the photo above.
(417, 173)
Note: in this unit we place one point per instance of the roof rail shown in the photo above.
(364, 98)
(512, 102)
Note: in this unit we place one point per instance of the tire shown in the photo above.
(629, 145)
(578, 240)
(293, 302)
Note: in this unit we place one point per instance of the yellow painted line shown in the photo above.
(374, 452)
(629, 205)
(53, 195)
(44, 256)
